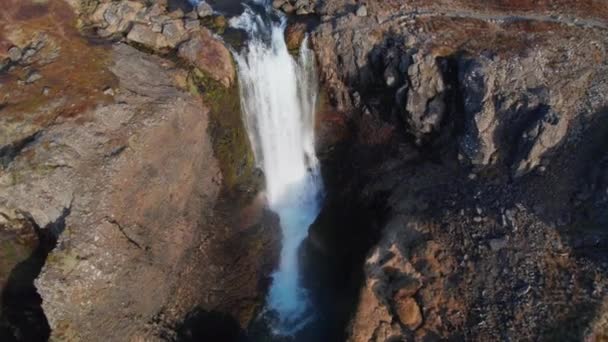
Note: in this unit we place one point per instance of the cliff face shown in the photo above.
(482, 125)
(112, 177)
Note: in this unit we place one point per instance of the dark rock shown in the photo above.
(391, 77)
(538, 139)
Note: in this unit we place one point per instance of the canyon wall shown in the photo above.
(482, 127)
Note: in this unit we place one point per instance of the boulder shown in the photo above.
(143, 34)
(409, 314)
(209, 55)
(174, 32)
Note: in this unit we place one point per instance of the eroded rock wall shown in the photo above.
(482, 123)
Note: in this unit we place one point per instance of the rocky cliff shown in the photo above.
(481, 126)
(115, 177)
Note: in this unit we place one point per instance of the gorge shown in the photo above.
(278, 99)
(310, 170)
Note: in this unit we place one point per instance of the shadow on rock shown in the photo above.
(202, 325)
(22, 317)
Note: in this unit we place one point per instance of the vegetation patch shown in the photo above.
(228, 134)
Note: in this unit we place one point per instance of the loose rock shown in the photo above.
(409, 313)
(362, 11)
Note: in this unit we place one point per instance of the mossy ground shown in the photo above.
(228, 134)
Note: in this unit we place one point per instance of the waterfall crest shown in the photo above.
(278, 97)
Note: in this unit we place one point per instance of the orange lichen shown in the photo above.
(74, 71)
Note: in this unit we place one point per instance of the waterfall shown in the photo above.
(278, 97)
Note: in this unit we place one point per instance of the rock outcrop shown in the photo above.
(112, 192)
(209, 55)
(479, 125)
(153, 27)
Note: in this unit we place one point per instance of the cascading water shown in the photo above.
(278, 96)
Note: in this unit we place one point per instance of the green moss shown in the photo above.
(217, 24)
(64, 331)
(65, 261)
(229, 137)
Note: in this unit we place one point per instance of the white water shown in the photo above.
(278, 97)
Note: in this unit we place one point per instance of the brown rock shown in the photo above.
(409, 313)
(409, 288)
(210, 55)
(174, 32)
(143, 34)
(294, 35)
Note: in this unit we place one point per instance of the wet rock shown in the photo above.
(294, 35)
(210, 55)
(204, 9)
(220, 23)
(409, 314)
